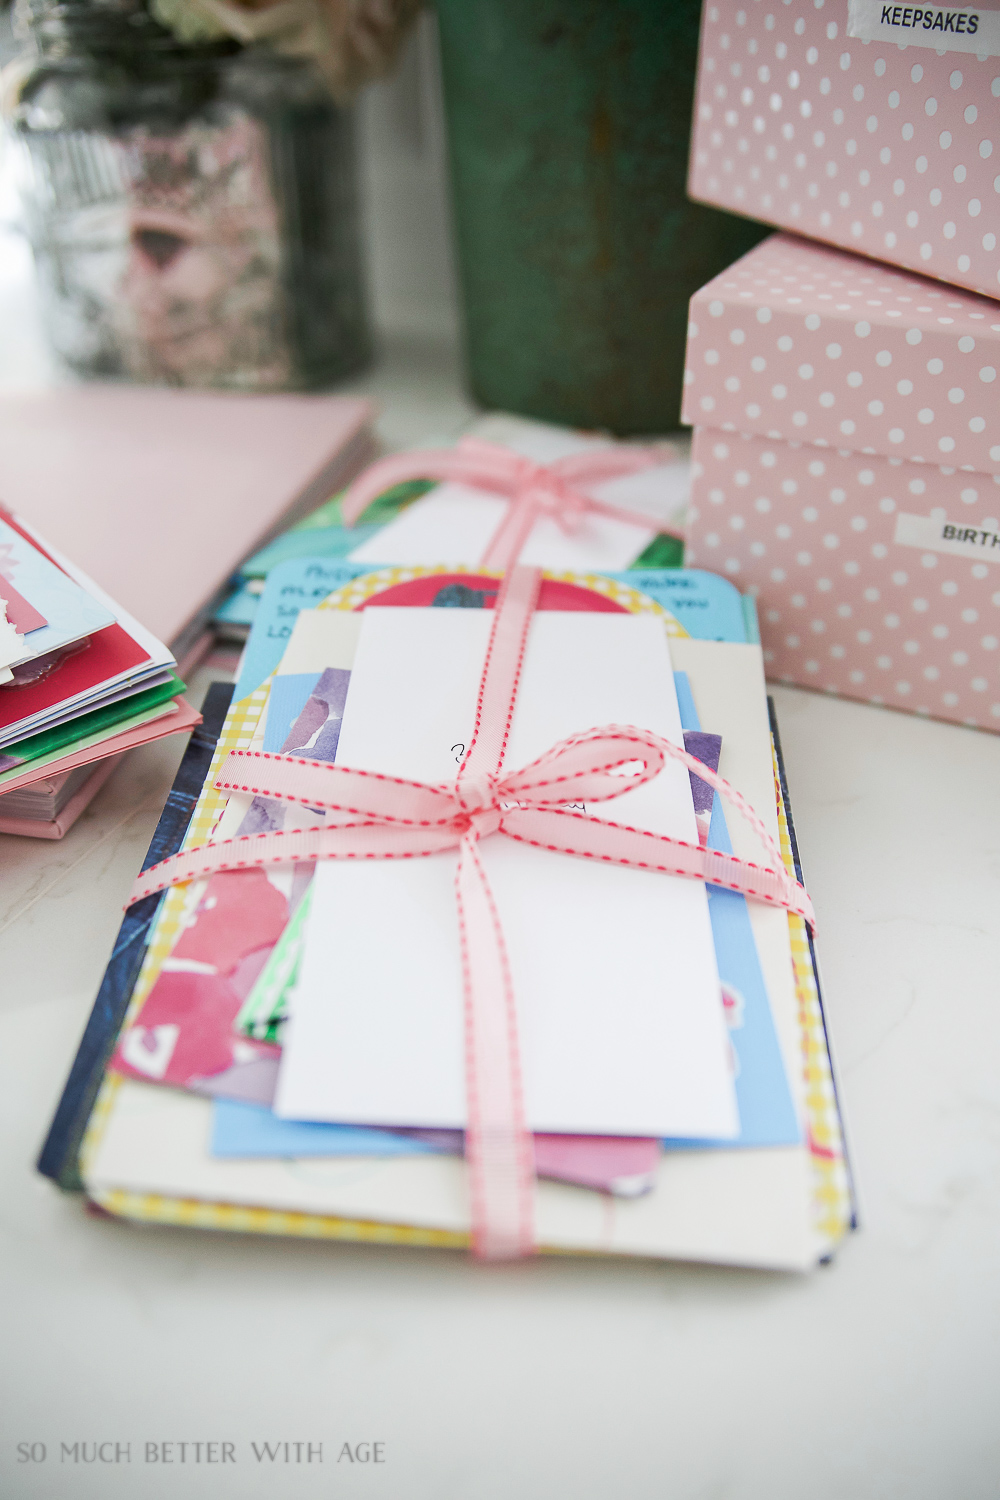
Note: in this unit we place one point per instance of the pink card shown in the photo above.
(185, 1033)
(22, 615)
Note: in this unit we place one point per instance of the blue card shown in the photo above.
(248, 1130)
(69, 612)
(328, 543)
(767, 1113)
(295, 585)
(709, 608)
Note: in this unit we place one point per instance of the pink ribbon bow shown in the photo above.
(384, 817)
(536, 490)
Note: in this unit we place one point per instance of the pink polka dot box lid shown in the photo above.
(873, 127)
(801, 343)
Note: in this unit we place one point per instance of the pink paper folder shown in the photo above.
(868, 125)
(847, 473)
(159, 495)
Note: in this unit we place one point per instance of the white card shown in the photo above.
(454, 523)
(620, 1017)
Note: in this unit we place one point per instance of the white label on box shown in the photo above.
(933, 535)
(965, 28)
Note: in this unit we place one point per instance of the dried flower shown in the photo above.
(352, 41)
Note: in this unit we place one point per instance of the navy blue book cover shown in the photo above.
(59, 1157)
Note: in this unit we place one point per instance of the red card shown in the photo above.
(108, 653)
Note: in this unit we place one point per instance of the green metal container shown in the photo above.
(568, 126)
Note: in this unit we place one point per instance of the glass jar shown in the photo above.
(193, 210)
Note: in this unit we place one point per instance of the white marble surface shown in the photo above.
(873, 1379)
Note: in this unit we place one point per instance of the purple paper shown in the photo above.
(315, 733)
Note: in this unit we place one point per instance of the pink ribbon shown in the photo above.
(373, 816)
(536, 490)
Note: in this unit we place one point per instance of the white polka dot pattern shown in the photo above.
(888, 150)
(843, 607)
(804, 343)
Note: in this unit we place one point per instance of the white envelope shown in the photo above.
(621, 1023)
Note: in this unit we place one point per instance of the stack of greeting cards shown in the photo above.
(418, 521)
(80, 683)
(476, 918)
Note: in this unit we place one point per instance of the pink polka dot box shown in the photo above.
(847, 473)
(871, 126)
